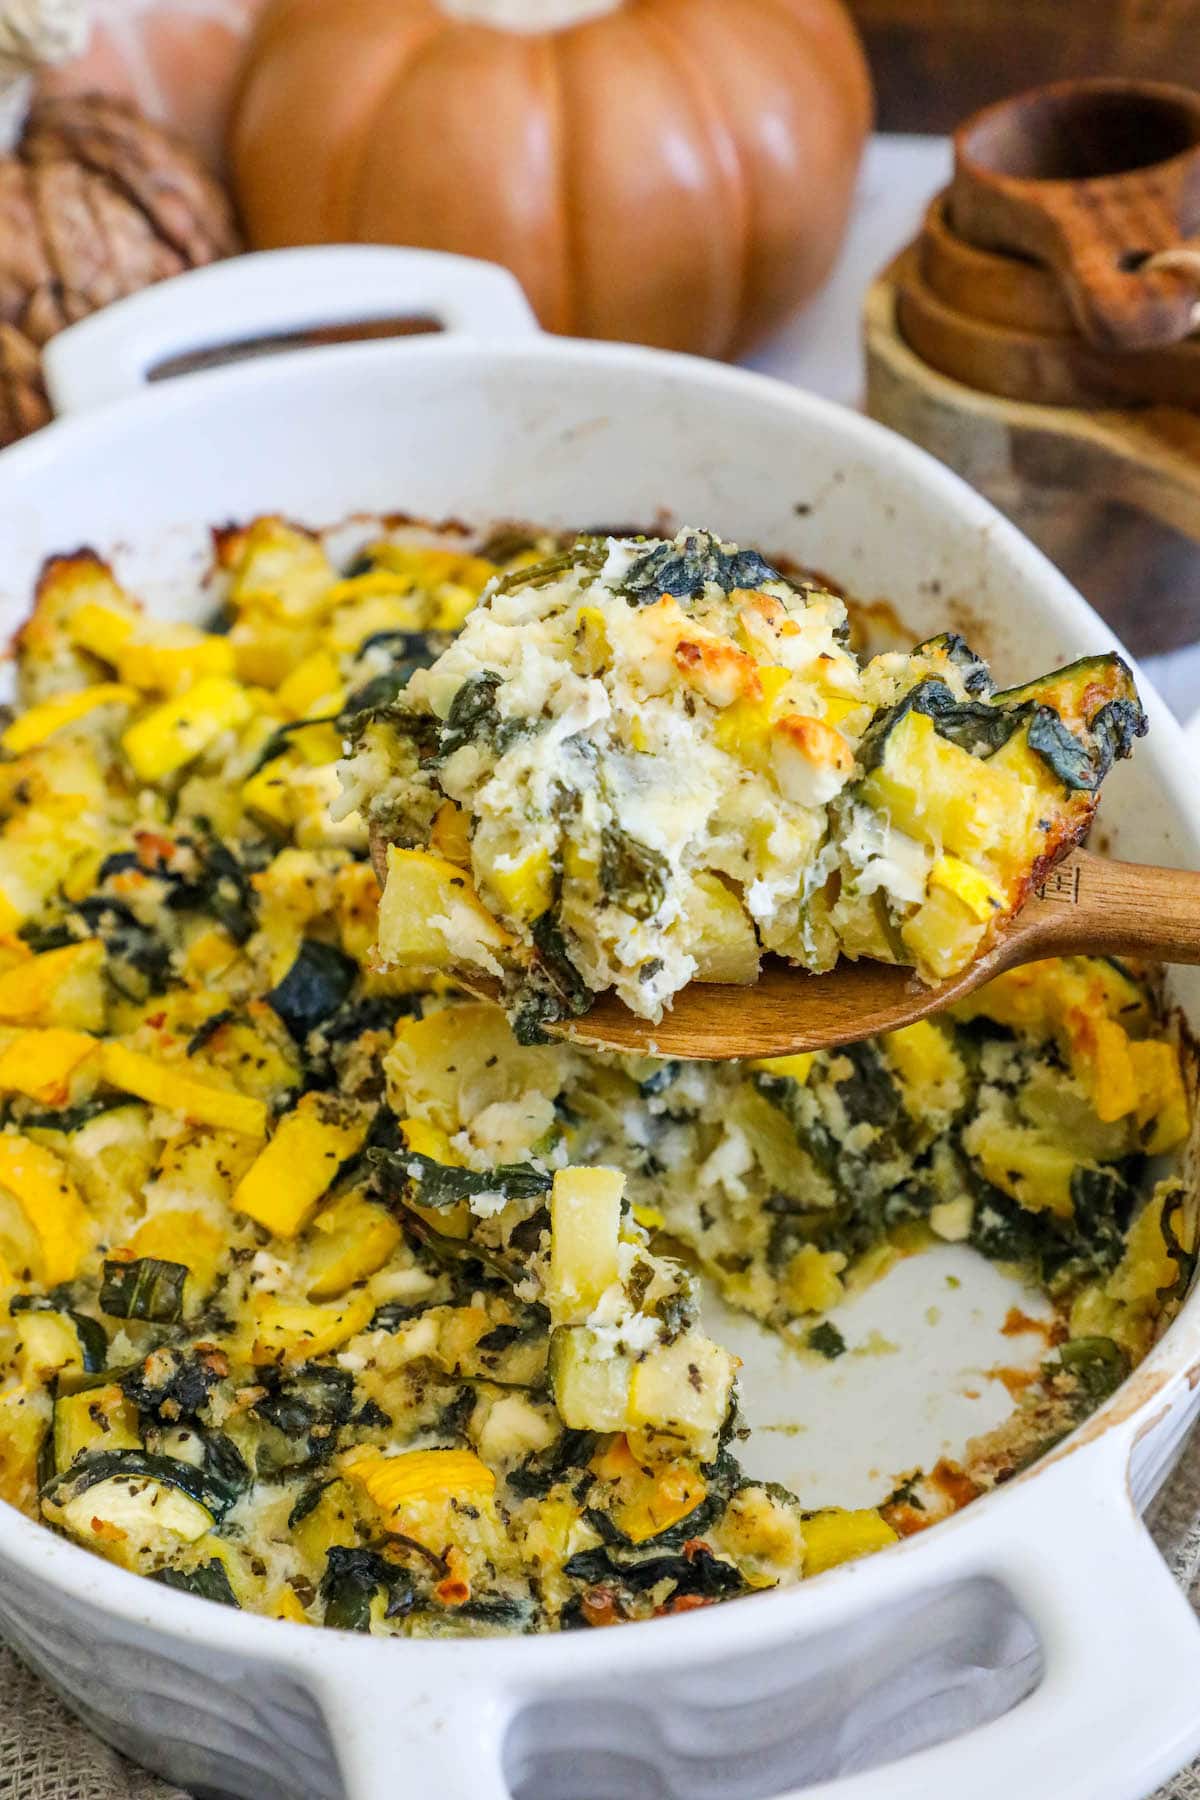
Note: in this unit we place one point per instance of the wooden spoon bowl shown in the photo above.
(1087, 906)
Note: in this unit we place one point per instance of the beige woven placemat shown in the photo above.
(45, 1754)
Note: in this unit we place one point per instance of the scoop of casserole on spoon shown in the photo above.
(647, 773)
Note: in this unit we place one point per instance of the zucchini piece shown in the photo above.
(47, 1343)
(719, 934)
(173, 734)
(207, 1486)
(431, 917)
(208, 1581)
(296, 1331)
(837, 1536)
(39, 1182)
(937, 791)
(414, 1478)
(146, 1288)
(317, 984)
(585, 1223)
(128, 1501)
(590, 1381)
(200, 1102)
(685, 1388)
(1078, 691)
(225, 1473)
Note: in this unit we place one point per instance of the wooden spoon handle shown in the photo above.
(1089, 905)
(1119, 302)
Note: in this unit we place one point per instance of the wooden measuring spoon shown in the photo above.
(1088, 906)
(1044, 370)
(1092, 178)
(988, 285)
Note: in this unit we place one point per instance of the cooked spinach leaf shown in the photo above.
(976, 676)
(1098, 1364)
(429, 1183)
(696, 1572)
(220, 887)
(541, 1469)
(456, 1253)
(685, 571)
(971, 724)
(1114, 728)
(300, 1418)
(128, 942)
(174, 1382)
(147, 1288)
(827, 1341)
(588, 555)
(353, 1578)
(632, 875)
(475, 717)
(1061, 750)
(208, 1581)
(73, 1118)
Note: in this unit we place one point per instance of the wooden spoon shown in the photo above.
(1088, 906)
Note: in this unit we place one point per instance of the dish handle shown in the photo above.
(1118, 1706)
(446, 1740)
(249, 304)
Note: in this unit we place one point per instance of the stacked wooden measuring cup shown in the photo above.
(1037, 335)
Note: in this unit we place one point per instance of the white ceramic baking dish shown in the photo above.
(809, 1691)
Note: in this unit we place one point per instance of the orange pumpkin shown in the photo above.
(674, 172)
(176, 62)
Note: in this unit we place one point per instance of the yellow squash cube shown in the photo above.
(295, 1331)
(39, 1182)
(58, 988)
(172, 735)
(310, 1143)
(38, 723)
(837, 1536)
(41, 1063)
(198, 1101)
(430, 916)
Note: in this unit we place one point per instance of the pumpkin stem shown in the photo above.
(33, 32)
(529, 15)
